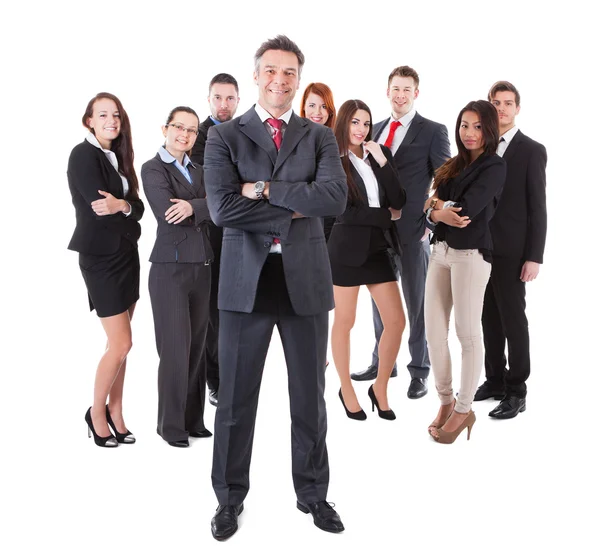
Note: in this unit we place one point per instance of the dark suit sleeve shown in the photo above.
(388, 179)
(326, 195)
(86, 175)
(159, 192)
(487, 186)
(439, 152)
(137, 209)
(197, 155)
(228, 208)
(536, 205)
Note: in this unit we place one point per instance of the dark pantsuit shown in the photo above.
(411, 267)
(179, 293)
(504, 321)
(212, 334)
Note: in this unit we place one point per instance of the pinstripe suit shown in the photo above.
(179, 283)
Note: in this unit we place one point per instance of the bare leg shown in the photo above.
(115, 398)
(118, 333)
(387, 298)
(344, 316)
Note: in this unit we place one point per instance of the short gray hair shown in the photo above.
(280, 42)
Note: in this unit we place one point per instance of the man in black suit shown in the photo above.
(519, 236)
(223, 99)
(270, 177)
(419, 146)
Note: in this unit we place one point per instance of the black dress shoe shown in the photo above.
(486, 391)
(324, 516)
(180, 443)
(225, 522)
(213, 397)
(370, 374)
(417, 388)
(201, 433)
(508, 408)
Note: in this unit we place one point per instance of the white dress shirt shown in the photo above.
(505, 140)
(366, 174)
(401, 131)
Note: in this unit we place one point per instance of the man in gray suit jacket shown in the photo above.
(419, 146)
(270, 176)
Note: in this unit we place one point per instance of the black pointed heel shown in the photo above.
(358, 416)
(127, 438)
(101, 441)
(388, 415)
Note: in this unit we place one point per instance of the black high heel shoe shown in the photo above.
(101, 441)
(127, 438)
(358, 416)
(388, 415)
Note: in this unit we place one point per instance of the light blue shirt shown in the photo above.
(168, 158)
(215, 121)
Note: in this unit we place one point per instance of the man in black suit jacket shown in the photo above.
(519, 236)
(270, 177)
(223, 99)
(419, 146)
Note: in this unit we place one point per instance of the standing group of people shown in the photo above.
(271, 219)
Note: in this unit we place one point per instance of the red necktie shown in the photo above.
(276, 124)
(390, 137)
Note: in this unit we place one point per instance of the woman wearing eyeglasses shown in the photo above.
(104, 190)
(179, 280)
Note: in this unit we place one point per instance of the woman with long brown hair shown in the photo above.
(358, 252)
(466, 190)
(317, 106)
(104, 190)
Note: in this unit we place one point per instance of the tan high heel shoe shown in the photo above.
(437, 424)
(445, 437)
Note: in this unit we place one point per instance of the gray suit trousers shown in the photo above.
(411, 267)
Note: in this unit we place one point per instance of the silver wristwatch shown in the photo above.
(259, 188)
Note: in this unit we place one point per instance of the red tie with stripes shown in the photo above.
(276, 124)
(390, 137)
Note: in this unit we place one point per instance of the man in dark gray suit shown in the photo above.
(419, 146)
(270, 177)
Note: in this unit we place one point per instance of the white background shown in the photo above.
(521, 485)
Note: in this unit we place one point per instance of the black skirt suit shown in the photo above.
(107, 244)
(361, 237)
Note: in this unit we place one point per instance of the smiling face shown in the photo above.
(105, 121)
(506, 106)
(360, 124)
(180, 140)
(223, 101)
(315, 109)
(278, 80)
(402, 94)
(471, 133)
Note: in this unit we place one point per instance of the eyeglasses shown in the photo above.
(181, 128)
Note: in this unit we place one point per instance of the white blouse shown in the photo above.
(366, 173)
(112, 157)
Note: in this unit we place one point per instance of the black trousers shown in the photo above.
(179, 293)
(212, 334)
(243, 345)
(504, 322)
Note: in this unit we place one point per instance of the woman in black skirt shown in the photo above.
(104, 190)
(358, 251)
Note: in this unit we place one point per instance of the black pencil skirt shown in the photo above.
(112, 281)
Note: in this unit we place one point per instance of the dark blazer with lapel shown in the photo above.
(424, 148)
(477, 190)
(197, 155)
(519, 224)
(351, 235)
(305, 176)
(185, 242)
(89, 171)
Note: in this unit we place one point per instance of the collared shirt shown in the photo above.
(401, 131)
(505, 140)
(168, 158)
(112, 157)
(215, 121)
(366, 173)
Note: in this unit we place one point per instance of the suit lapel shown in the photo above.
(114, 181)
(379, 128)
(293, 134)
(178, 175)
(359, 182)
(413, 131)
(513, 146)
(251, 125)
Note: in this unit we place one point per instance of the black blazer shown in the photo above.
(351, 235)
(89, 171)
(185, 242)
(424, 148)
(197, 155)
(519, 224)
(477, 190)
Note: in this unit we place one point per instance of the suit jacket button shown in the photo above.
(267, 244)
(198, 229)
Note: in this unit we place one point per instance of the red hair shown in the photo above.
(324, 92)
